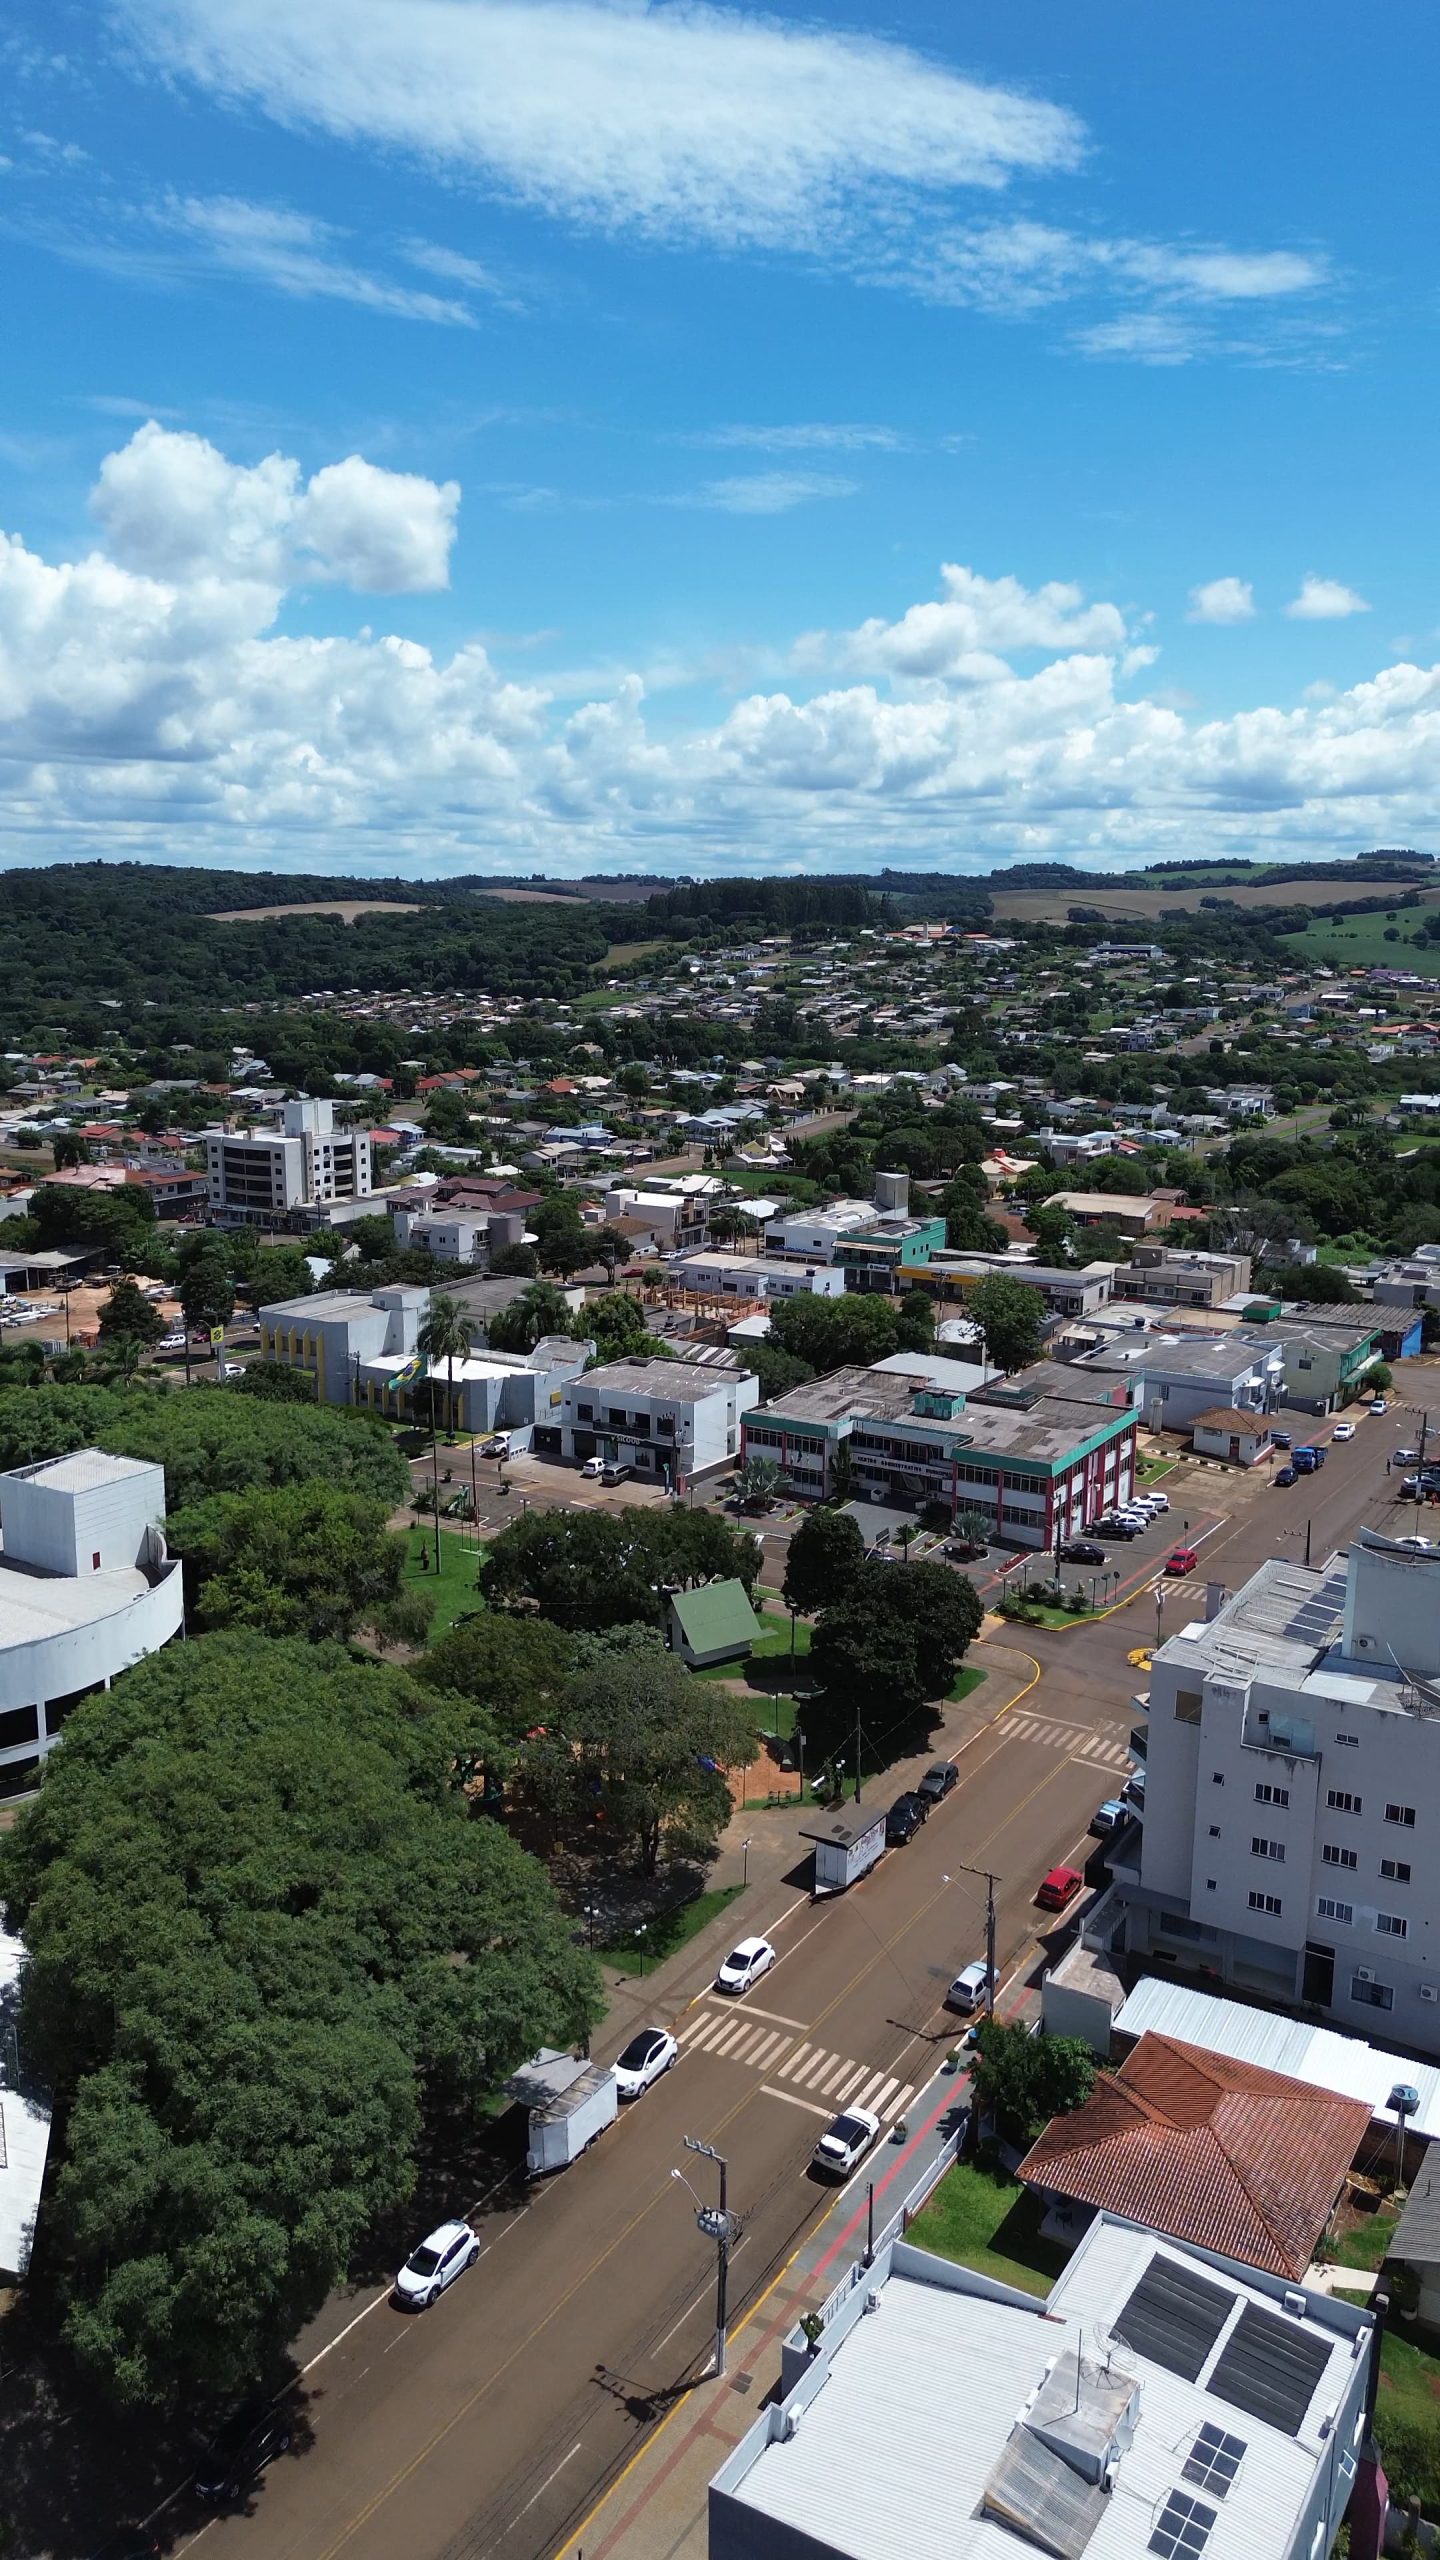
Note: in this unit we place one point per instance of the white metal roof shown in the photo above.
(24, 2131)
(84, 1469)
(36, 1605)
(1316, 2055)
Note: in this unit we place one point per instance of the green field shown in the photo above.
(982, 2219)
(659, 1938)
(1358, 942)
(455, 1592)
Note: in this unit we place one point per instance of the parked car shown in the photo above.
(1082, 1551)
(1284, 1475)
(967, 1991)
(1181, 1560)
(1109, 1816)
(937, 1782)
(593, 1467)
(1378, 1406)
(1059, 1888)
(964, 1550)
(1157, 1501)
(171, 1342)
(235, 2457)
(904, 1819)
(1148, 1506)
(1405, 1457)
(1343, 1431)
(845, 2145)
(646, 2059)
(619, 1472)
(1114, 1527)
(1280, 1439)
(450, 2249)
(744, 1965)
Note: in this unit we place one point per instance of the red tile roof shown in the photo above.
(1217, 2152)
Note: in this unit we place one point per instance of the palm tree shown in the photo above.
(121, 1358)
(447, 1335)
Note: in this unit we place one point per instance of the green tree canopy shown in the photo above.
(130, 1316)
(562, 1239)
(310, 1559)
(616, 1324)
(540, 1309)
(900, 1631)
(1022, 2080)
(643, 1754)
(208, 1439)
(597, 1569)
(825, 1555)
(1011, 1319)
(835, 1333)
(207, 1287)
(514, 1669)
(263, 1935)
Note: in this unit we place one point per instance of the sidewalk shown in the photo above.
(658, 2508)
(775, 1868)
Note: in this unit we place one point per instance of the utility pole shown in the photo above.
(719, 2224)
(990, 1882)
(857, 1750)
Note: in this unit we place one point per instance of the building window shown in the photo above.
(1214, 1830)
(1271, 1795)
(1217, 1777)
(1329, 1909)
(1404, 1814)
(1395, 1870)
(1348, 1741)
(1330, 1856)
(1268, 1902)
(1371, 1995)
(1268, 1849)
(1388, 1924)
(1340, 1800)
(1187, 1706)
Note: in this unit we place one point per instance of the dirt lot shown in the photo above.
(86, 1302)
(344, 909)
(1037, 906)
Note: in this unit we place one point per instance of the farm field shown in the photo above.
(344, 910)
(1358, 942)
(1144, 904)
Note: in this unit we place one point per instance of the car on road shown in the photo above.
(171, 1342)
(1378, 1406)
(744, 1965)
(646, 2059)
(967, 1991)
(1343, 1431)
(619, 1472)
(234, 2458)
(938, 1781)
(1404, 1457)
(1059, 1888)
(1181, 1560)
(593, 1467)
(1082, 1551)
(450, 2249)
(904, 1819)
(1280, 1439)
(846, 2143)
(1284, 1475)
(1109, 1816)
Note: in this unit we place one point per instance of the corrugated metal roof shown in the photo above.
(1316, 2055)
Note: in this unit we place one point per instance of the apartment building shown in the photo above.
(1175, 1379)
(714, 1271)
(1068, 1289)
(260, 1177)
(670, 1420)
(1036, 1454)
(1163, 1275)
(1289, 1792)
(1327, 1360)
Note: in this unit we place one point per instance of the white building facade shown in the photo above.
(87, 1587)
(670, 1420)
(257, 1177)
(1289, 1793)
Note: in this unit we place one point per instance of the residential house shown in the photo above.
(1241, 1439)
(711, 1624)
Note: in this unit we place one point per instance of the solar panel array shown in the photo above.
(1174, 2317)
(1182, 2528)
(1270, 2368)
(1214, 2460)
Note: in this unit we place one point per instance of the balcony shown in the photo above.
(1139, 1743)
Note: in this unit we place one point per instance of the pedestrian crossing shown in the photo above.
(800, 2069)
(1077, 1741)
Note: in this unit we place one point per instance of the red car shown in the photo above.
(1184, 1560)
(1059, 1888)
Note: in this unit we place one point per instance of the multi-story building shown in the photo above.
(1289, 1788)
(1158, 2399)
(671, 1420)
(1173, 1378)
(1164, 1275)
(1327, 1360)
(1039, 1462)
(1068, 1289)
(87, 1587)
(260, 1177)
(362, 1348)
(716, 1272)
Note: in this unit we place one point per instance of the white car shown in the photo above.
(1420, 1546)
(1378, 1406)
(171, 1342)
(435, 2264)
(1343, 1431)
(845, 2145)
(744, 1965)
(646, 2059)
(593, 1467)
(967, 1991)
(1156, 1502)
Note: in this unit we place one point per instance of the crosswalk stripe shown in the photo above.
(801, 2054)
(863, 2096)
(901, 2100)
(702, 2031)
(813, 2069)
(836, 2072)
(728, 2035)
(879, 2098)
(845, 2088)
(764, 2054)
(744, 2047)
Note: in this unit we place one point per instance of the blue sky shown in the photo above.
(464, 434)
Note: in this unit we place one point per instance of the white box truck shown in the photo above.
(847, 1846)
(570, 2102)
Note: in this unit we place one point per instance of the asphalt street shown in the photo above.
(485, 2428)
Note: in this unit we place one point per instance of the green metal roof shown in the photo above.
(715, 1616)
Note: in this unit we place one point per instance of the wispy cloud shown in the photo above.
(766, 493)
(298, 255)
(814, 436)
(1222, 600)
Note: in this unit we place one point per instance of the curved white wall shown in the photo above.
(55, 1665)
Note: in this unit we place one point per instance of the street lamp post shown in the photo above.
(717, 2223)
(745, 1848)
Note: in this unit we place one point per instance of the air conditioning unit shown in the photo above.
(1363, 1973)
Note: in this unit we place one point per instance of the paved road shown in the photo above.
(483, 2429)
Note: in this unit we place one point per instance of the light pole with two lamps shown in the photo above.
(715, 2222)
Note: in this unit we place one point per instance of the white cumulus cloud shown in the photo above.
(1222, 600)
(966, 633)
(1324, 600)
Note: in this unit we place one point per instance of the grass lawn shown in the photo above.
(455, 1591)
(671, 1930)
(1150, 1470)
(1407, 2416)
(982, 2219)
(1366, 2244)
(1359, 942)
(771, 1645)
(965, 1682)
(1042, 1615)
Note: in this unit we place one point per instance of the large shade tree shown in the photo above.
(264, 1934)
